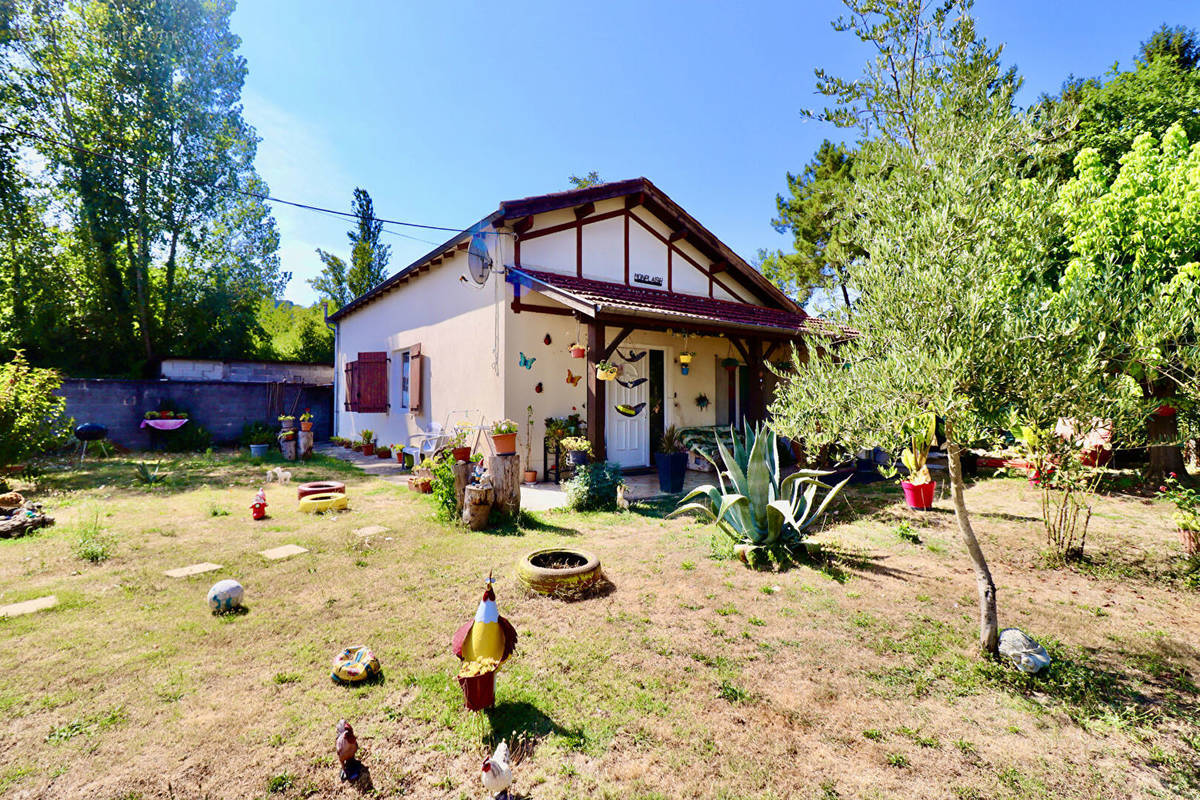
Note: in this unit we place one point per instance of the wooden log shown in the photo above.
(477, 506)
(305, 440)
(288, 448)
(22, 520)
(505, 472)
(462, 476)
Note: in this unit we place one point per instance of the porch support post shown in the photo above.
(595, 390)
(757, 407)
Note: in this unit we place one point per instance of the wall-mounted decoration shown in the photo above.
(572, 378)
(547, 339)
(702, 401)
(633, 357)
(538, 388)
(633, 383)
(648, 280)
(630, 411)
(526, 361)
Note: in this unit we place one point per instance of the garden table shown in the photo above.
(157, 425)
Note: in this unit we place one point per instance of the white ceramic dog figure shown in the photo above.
(279, 474)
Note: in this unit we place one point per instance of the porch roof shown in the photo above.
(594, 298)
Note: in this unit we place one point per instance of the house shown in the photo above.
(619, 268)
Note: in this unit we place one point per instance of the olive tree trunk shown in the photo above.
(989, 628)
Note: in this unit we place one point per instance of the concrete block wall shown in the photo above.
(221, 407)
(200, 369)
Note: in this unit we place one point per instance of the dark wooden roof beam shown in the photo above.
(676, 235)
(719, 266)
(634, 200)
(583, 210)
(522, 225)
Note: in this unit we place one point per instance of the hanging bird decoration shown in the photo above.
(346, 746)
(630, 411)
(526, 361)
(633, 383)
(633, 357)
(547, 339)
(572, 378)
(483, 644)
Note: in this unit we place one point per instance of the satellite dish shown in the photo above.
(478, 261)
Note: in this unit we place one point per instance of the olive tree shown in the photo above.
(951, 227)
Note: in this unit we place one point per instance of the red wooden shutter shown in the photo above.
(416, 364)
(372, 383)
(351, 398)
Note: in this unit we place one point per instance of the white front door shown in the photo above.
(628, 437)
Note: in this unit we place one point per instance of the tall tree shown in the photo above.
(816, 212)
(341, 282)
(941, 198)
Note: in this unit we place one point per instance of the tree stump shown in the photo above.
(288, 448)
(477, 506)
(505, 472)
(462, 476)
(305, 444)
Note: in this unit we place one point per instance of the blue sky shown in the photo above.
(443, 109)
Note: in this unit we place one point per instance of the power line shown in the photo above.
(231, 190)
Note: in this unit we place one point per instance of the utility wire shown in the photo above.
(243, 192)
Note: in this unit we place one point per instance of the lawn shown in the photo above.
(852, 677)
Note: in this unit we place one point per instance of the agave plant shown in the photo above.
(755, 505)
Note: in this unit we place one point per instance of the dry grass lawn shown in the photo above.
(695, 677)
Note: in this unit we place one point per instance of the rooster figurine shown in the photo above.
(497, 773)
(347, 748)
(483, 644)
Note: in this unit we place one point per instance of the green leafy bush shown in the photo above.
(92, 544)
(257, 433)
(191, 438)
(443, 486)
(33, 418)
(594, 487)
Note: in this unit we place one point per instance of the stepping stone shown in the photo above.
(194, 569)
(370, 530)
(286, 551)
(29, 606)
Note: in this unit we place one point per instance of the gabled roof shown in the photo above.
(637, 191)
(616, 298)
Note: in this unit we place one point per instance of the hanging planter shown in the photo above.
(729, 363)
(686, 357)
(578, 351)
(606, 371)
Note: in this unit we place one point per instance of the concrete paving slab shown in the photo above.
(371, 530)
(284, 551)
(29, 606)
(194, 569)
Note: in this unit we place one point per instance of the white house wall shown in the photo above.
(460, 329)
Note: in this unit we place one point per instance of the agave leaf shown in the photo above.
(732, 469)
(758, 476)
(706, 489)
(728, 502)
(693, 507)
(834, 492)
(781, 510)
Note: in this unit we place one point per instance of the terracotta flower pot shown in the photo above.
(919, 495)
(368, 448)
(1190, 540)
(530, 476)
(400, 457)
(306, 426)
(461, 453)
(506, 443)
(578, 352)
(383, 454)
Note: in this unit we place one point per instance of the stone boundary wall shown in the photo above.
(203, 369)
(221, 407)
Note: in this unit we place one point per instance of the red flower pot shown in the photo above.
(919, 496)
(368, 449)
(461, 453)
(506, 443)
(578, 352)
(479, 691)
(306, 426)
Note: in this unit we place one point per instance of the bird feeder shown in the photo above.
(483, 644)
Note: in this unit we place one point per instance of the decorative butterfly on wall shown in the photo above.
(633, 357)
(572, 378)
(633, 383)
(630, 411)
(526, 361)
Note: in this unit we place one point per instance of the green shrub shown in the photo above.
(191, 438)
(443, 486)
(33, 418)
(257, 433)
(594, 487)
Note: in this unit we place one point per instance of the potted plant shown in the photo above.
(671, 461)
(530, 474)
(1187, 512)
(167, 414)
(504, 437)
(258, 437)
(606, 371)
(920, 487)
(578, 350)
(578, 450)
(459, 448)
(181, 415)
(368, 442)
(686, 357)
(306, 420)
(729, 363)
(287, 422)
(151, 415)
(383, 451)
(702, 401)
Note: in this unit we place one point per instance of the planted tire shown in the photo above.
(556, 571)
(319, 487)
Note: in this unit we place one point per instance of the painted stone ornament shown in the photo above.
(225, 596)
(1023, 651)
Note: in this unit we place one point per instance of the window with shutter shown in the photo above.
(415, 373)
(351, 397)
(371, 383)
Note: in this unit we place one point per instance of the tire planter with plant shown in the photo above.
(326, 501)
(319, 487)
(556, 571)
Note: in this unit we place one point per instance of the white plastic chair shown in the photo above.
(423, 445)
